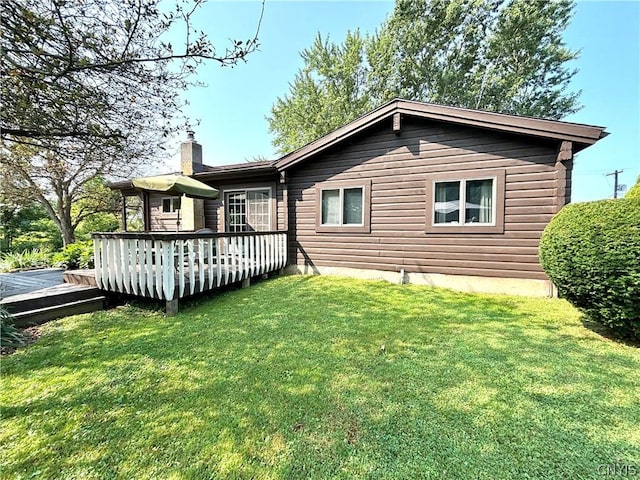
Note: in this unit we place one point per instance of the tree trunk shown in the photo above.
(67, 230)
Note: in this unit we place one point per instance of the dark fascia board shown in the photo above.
(246, 170)
(237, 166)
(581, 135)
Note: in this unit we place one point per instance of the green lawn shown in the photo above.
(287, 379)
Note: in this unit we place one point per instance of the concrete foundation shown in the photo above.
(464, 283)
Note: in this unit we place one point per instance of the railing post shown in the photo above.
(171, 307)
(168, 269)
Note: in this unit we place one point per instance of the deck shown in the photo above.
(170, 266)
(24, 282)
(36, 296)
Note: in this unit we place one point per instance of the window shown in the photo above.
(248, 211)
(466, 202)
(343, 207)
(170, 204)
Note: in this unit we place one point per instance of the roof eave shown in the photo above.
(244, 172)
(581, 135)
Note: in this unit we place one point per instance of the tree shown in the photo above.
(256, 158)
(498, 55)
(70, 187)
(25, 227)
(92, 88)
(634, 192)
(327, 92)
(94, 69)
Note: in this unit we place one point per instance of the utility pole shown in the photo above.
(615, 182)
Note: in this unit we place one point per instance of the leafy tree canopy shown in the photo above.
(92, 88)
(634, 192)
(498, 55)
(95, 69)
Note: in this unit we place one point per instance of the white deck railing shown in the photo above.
(169, 266)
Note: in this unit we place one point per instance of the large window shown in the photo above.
(248, 211)
(343, 206)
(466, 202)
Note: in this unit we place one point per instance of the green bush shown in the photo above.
(26, 260)
(75, 255)
(591, 251)
(10, 336)
(27, 227)
(39, 234)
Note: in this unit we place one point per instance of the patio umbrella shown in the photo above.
(176, 185)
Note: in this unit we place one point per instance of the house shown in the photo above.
(410, 192)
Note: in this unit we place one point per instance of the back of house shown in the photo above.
(410, 192)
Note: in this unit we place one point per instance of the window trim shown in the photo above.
(364, 227)
(497, 226)
(225, 203)
(173, 210)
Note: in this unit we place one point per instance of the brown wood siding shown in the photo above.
(282, 194)
(211, 209)
(399, 167)
(161, 222)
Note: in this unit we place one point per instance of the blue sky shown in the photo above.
(233, 106)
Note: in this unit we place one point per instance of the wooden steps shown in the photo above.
(46, 304)
(80, 277)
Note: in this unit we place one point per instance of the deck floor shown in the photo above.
(24, 282)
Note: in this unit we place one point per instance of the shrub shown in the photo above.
(28, 259)
(10, 336)
(75, 255)
(591, 252)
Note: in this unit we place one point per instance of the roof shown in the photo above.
(213, 173)
(255, 169)
(581, 135)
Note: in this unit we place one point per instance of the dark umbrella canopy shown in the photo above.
(176, 185)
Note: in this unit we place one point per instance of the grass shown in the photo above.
(288, 379)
